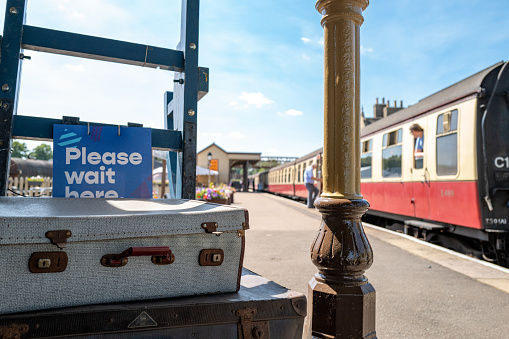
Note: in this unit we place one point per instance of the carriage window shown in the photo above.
(366, 158)
(367, 146)
(298, 173)
(447, 143)
(391, 154)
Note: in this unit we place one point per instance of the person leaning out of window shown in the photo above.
(418, 133)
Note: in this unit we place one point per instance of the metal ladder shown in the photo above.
(190, 85)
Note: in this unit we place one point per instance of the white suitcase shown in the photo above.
(58, 252)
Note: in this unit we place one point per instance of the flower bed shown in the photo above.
(219, 195)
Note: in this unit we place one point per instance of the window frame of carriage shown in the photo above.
(392, 140)
(367, 152)
(447, 125)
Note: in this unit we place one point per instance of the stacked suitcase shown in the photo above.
(261, 309)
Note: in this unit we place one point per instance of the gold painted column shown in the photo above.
(341, 298)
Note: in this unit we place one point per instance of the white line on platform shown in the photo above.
(479, 261)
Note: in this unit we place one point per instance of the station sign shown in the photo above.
(214, 164)
(102, 162)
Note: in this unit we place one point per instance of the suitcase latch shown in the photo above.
(211, 257)
(211, 227)
(250, 329)
(59, 237)
(48, 262)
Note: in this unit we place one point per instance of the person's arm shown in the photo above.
(419, 148)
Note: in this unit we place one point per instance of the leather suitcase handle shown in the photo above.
(161, 255)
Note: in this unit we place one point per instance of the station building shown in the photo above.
(223, 162)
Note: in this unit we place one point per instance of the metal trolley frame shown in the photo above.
(190, 85)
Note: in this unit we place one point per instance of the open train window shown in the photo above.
(447, 143)
(366, 158)
(418, 147)
(391, 154)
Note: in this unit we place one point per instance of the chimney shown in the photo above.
(388, 110)
(378, 109)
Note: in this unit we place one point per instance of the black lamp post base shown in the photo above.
(342, 312)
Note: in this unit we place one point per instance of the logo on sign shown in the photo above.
(102, 162)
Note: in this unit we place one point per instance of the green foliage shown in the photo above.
(42, 152)
(366, 161)
(19, 150)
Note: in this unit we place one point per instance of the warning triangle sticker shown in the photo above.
(143, 320)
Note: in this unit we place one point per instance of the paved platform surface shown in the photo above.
(422, 291)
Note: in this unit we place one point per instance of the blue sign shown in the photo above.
(102, 162)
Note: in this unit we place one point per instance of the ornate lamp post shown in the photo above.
(342, 300)
(209, 157)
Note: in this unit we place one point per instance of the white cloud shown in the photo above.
(75, 68)
(365, 50)
(251, 99)
(306, 57)
(238, 106)
(315, 41)
(235, 135)
(291, 113)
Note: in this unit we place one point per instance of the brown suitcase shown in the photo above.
(261, 309)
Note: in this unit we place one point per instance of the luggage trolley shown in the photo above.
(190, 85)
(259, 308)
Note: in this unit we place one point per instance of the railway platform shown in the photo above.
(422, 290)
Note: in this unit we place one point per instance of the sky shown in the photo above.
(265, 60)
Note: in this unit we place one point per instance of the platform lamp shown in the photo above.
(341, 300)
(209, 157)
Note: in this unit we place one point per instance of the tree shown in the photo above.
(42, 152)
(19, 150)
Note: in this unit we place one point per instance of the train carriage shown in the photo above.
(288, 179)
(458, 184)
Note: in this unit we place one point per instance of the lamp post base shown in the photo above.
(342, 299)
(342, 312)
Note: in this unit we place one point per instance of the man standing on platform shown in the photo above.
(309, 180)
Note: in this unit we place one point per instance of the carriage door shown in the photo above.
(419, 170)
